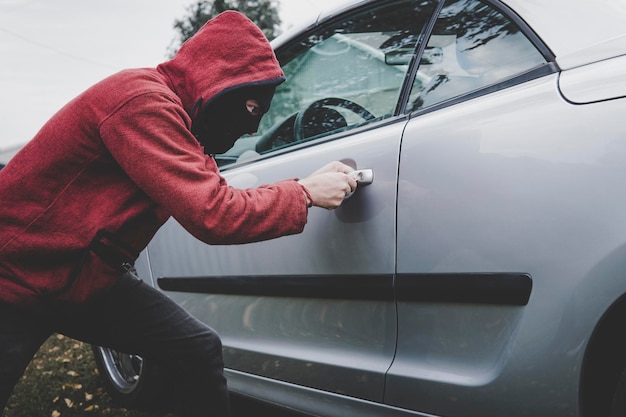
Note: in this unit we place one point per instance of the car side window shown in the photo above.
(347, 73)
(472, 46)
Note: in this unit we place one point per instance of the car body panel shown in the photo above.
(275, 334)
(603, 80)
(311, 401)
(470, 276)
(603, 50)
(579, 28)
(484, 197)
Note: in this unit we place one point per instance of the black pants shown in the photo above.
(131, 317)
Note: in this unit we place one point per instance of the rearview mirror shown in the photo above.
(432, 55)
(403, 56)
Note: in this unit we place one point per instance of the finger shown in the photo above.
(352, 182)
(338, 166)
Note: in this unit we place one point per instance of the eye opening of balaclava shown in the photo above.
(225, 118)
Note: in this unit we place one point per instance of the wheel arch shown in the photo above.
(603, 362)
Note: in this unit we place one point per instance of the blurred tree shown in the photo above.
(262, 12)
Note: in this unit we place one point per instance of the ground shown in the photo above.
(63, 381)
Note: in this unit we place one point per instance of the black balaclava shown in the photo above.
(225, 118)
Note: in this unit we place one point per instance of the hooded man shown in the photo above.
(84, 197)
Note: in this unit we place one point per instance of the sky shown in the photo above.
(50, 51)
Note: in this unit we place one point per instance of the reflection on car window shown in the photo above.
(472, 46)
(346, 74)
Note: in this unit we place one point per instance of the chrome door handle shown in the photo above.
(363, 176)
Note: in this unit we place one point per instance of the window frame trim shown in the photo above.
(549, 67)
(400, 113)
(404, 88)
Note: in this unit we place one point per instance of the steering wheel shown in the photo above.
(323, 105)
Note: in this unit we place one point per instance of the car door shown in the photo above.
(466, 245)
(316, 309)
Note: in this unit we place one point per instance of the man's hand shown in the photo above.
(329, 185)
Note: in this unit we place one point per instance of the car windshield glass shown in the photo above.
(345, 74)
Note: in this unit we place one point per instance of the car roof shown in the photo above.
(576, 32)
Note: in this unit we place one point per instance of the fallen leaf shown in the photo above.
(55, 413)
(68, 402)
(73, 373)
(88, 396)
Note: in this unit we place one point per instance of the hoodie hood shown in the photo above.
(227, 53)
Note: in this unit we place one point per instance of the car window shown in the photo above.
(345, 74)
(472, 46)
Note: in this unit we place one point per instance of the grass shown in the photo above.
(62, 381)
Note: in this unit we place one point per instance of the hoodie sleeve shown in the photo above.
(150, 139)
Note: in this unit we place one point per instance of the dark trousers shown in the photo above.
(131, 317)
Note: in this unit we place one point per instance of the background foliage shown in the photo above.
(262, 12)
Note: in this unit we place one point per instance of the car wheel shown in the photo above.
(130, 380)
(618, 408)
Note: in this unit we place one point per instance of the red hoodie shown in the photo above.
(117, 161)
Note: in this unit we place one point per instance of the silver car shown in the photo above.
(480, 267)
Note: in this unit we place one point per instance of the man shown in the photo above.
(87, 194)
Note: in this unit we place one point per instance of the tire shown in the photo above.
(131, 381)
(618, 407)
